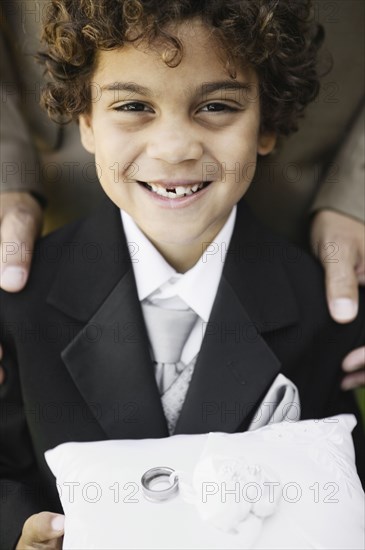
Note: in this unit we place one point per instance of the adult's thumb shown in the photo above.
(42, 527)
(19, 229)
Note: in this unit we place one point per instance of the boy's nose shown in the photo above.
(174, 143)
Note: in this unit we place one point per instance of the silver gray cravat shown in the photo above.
(168, 331)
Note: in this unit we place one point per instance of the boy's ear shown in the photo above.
(87, 133)
(266, 143)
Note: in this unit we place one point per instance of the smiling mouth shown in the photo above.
(175, 192)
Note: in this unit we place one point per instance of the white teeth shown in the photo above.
(160, 190)
(179, 191)
(155, 188)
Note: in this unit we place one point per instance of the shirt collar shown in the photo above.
(197, 287)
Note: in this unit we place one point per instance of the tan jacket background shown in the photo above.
(321, 166)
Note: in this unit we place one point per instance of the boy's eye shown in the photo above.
(133, 106)
(217, 108)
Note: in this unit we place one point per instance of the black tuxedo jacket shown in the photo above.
(77, 357)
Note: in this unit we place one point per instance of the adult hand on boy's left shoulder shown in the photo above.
(339, 242)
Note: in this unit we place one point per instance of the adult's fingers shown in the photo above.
(342, 285)
(21, 222)
(354, 364)
(354, 360)
(339, 243)
(353, 381)
(43, 530)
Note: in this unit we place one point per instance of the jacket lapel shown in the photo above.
(234, 369)
(109, 358)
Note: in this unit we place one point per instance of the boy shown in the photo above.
(176, 99)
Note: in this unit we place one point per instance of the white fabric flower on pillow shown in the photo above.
(227, 491)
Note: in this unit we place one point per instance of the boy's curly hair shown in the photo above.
(279, 39)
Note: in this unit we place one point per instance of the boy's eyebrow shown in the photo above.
(127, 87)
(205, 88)
(210, 87)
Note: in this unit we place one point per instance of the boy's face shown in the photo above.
(154, 128)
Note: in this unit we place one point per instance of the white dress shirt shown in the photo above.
(158, 283)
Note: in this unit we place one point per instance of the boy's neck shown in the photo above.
(181, 257)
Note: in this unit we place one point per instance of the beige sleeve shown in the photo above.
(343, 188)
(19, 161)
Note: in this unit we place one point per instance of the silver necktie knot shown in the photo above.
(168, 331)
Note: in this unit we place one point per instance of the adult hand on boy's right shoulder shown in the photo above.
(43, 530)
(339, 243)
(21, 219)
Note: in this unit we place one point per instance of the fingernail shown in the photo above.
(58, 523)
(343, 309)
(13, 278)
